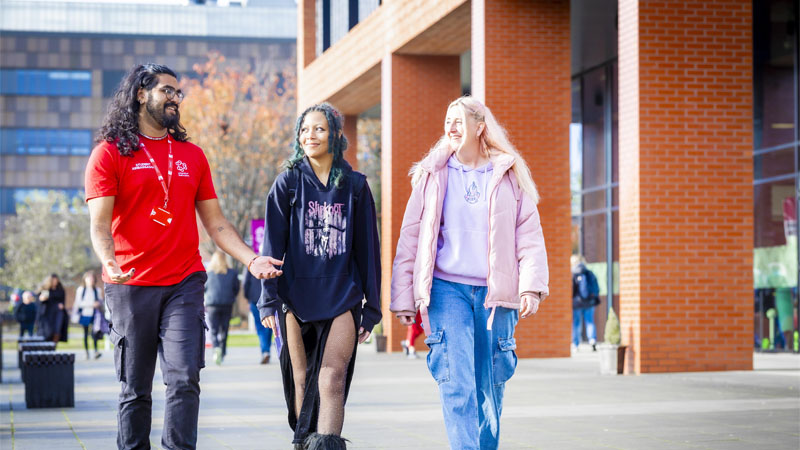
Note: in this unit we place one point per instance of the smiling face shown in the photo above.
(159, 106)
(313, 136)
(461, 129)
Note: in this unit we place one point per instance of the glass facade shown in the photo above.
(37, 141)
(775, 173)
(69, 83)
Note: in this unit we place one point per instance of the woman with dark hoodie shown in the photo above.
(320, 214)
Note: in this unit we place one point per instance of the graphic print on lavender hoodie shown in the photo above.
(326, 229)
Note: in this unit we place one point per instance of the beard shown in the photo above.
(161, 116)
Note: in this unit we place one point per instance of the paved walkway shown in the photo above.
(550, 404)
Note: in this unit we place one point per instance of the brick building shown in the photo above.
(681, 122)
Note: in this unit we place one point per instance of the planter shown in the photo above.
(380, 343)
(612, 358)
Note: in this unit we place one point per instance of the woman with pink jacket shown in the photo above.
(471, 258)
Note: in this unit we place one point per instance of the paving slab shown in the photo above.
(561, 403)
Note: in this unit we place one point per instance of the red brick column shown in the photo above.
(686, 192)
(415, 92)
(351, 133)
(521, 68)
(306, 42)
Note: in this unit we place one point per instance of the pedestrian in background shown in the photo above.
(52, 321)
(585, 297)
(25, 313)
(471, 258)
(412, 333)
(222, 287)
(321, 215)
(145, 187)
(88, 300)
(252, 290)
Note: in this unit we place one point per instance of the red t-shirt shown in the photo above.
(162, 256)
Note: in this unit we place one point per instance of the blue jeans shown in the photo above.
(470, 363)
(585, 315)
(264, 333)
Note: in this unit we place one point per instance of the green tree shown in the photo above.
(49, 234)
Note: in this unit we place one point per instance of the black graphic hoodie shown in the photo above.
(329, 237)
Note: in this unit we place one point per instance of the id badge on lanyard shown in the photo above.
(158, 214)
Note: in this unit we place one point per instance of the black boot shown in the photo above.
(316, 441)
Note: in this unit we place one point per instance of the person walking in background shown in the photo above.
(321, 215)
(412, 333)
(88, 300)
(145, 187)
(222, 287)
(471, 258)
(585, 296)
(52, 321)
(252, 290)
(25, 313)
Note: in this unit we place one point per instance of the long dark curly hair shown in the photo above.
(121, 124)
(337, 143)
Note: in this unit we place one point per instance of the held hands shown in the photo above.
(263, 267)
(529, 305)
(115, 273)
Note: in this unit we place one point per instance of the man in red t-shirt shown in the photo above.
(144, 182)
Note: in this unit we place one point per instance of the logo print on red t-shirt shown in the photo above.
(182, 167)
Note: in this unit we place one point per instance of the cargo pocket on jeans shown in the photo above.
(438, 363)
(204, 328)
(505, 361)
(119, 353)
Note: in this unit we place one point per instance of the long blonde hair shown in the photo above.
(218, 263)
(493, 140)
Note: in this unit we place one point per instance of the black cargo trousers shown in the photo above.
(167, 321)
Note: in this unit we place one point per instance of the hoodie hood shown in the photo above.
(439, 157)
(305, 168)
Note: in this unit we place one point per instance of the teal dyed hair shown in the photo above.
(337, 143)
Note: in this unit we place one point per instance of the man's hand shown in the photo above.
(264, 267)
(363, 335)
(116, 274)
(406, 320)
(269, 322)
(529, 306)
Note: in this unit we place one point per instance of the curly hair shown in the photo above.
(337, 142)
(121, 124)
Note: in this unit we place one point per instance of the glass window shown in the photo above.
(593, 109)
(11, 197)
(111, 81)
(70, 83)
(774, 54)
(774, 163)
(41, 141)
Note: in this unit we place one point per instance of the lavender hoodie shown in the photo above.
(516, 253)
(462, 250)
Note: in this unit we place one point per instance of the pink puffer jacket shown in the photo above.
(517, 255)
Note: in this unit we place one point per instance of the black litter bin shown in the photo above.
(23, 347)
(49, 379)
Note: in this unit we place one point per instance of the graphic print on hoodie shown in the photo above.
(328, 239)
(326, 229)
(462, 254)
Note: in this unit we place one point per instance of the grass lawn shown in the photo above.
(76, 339)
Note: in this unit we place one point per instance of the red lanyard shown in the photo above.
(158, 172)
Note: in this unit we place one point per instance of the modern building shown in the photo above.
(60, 61)
(680, 118)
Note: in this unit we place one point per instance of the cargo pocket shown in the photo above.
(505, 360)
(438, 363)
(203, 330)
(119, 353)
